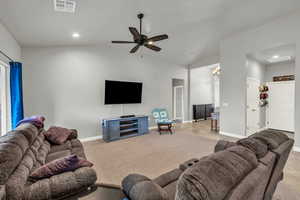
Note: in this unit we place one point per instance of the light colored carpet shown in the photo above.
(154, 154)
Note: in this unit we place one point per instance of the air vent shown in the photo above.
(65, 6)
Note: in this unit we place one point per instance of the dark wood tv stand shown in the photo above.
(121, 128)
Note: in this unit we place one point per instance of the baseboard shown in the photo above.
(232, 135)
(296, 149)
(88, 139)
(152, 127)
(187, 122)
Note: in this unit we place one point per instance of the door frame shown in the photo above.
(174, 104)
(258, 81)
(4, 95)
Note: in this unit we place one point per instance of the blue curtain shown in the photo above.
(16, 93)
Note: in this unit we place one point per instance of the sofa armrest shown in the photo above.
(139, 187)
(2, 192)
(223, 144)
(74, 134)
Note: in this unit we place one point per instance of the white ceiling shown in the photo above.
(195, 27)
(282, 52)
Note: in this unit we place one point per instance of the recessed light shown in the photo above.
(75, 35)
(275, 56)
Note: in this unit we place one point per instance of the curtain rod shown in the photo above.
(1, 52)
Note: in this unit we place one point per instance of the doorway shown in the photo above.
(253, 109)
(178, 99)
(178, 103)
(270, 89)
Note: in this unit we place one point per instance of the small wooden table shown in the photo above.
(215, 121)
(165, 127)
(100, 192)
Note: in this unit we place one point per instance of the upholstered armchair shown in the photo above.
(162, 120)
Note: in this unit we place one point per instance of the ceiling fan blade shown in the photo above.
(122, 42)
(135, 33)
(158, 38)
(152, 47)
(135, 48)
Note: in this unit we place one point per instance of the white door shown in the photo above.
(281, 108)
(253, 109)
(178, 103)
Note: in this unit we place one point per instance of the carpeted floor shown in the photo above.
(154, 154)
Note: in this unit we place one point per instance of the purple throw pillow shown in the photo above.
(57, 135)
(66, 164)
(37, 121)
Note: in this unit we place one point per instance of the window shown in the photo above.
(3, 98)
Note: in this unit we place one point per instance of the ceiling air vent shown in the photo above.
(65, 6)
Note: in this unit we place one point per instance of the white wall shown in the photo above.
(256, 70)
(8, 45)
(279, 69)
(234, 49)
(66, 84)
(202, 86)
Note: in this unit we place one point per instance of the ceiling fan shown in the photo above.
(142, 40)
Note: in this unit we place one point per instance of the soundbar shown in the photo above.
(127, 116)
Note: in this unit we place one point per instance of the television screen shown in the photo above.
(119, 92)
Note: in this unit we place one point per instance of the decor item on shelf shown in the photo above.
(284, 78)
(142, 40)
(162, 120)
(263, 96)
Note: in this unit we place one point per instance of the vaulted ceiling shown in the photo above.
(195, 27)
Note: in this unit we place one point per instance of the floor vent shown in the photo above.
(65, 6)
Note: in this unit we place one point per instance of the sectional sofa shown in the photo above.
(24, 150)
(249, 169)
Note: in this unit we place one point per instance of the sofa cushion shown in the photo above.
(214, 176)
(66, 164)
(167, 178)
(60, 185)
(259, 148)
(12, 148)
(222, 145)
(272, 138)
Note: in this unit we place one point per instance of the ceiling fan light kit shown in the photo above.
(141, 39)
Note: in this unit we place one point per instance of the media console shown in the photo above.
(121, 128)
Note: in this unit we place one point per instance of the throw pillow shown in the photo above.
(37, 121)
(57, 135)
(66, 164)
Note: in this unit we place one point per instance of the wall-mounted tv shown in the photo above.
(120, 92)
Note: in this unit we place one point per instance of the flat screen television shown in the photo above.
(120, 92)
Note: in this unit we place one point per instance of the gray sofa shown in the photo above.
(24, 150)
(249, 169)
